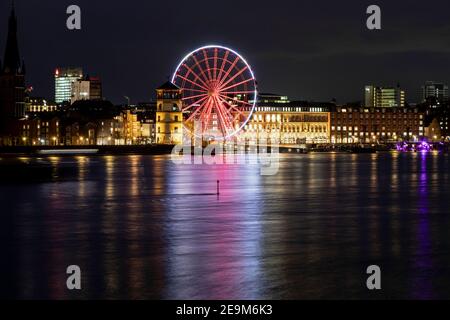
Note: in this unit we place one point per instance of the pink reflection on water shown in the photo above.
(220, 253)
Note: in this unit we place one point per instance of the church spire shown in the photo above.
(11, 61)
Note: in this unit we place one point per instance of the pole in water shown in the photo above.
(218, 188)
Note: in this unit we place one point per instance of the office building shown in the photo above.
(64, 82)
(436, 90)
(272, 98)
(384, 97)
(89, 88)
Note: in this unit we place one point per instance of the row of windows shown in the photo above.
(169, 95)
(290, 109)
(42, 108)
(415, 122)
(175, 118)
(377, 110)
(333, 128)
(306, 128)
(175, 130)
(173, 108)
(373, 116)
(43, 124)
(378, 134)
(297, 118)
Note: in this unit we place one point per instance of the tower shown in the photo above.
(12, 82)
(169, 117)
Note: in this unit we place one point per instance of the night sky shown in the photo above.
(309, 50)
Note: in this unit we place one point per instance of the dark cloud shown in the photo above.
(309, 49)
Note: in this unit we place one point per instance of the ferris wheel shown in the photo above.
(219, 92)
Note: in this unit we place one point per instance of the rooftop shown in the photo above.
(168, 86)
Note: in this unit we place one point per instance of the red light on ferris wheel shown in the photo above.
(219, 91)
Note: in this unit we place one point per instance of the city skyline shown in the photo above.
(148, 60)
(201, 152)
(216, 86)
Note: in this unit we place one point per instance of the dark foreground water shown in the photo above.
(141, 227)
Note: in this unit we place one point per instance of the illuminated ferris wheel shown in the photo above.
(219, 92)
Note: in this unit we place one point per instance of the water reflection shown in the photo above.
(141, 227)
(422, 288)
(214, 241)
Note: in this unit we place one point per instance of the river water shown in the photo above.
(142, 227)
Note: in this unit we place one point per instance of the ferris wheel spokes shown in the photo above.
(219, 90)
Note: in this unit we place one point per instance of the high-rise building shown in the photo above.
(436, 90)
(384, 97)
(95, 89)
(64, 80)
(89, 88)
(12, 82)
(80, 90)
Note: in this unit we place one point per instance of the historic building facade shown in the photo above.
(169, 116)
(290, 123)
(374, 125)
